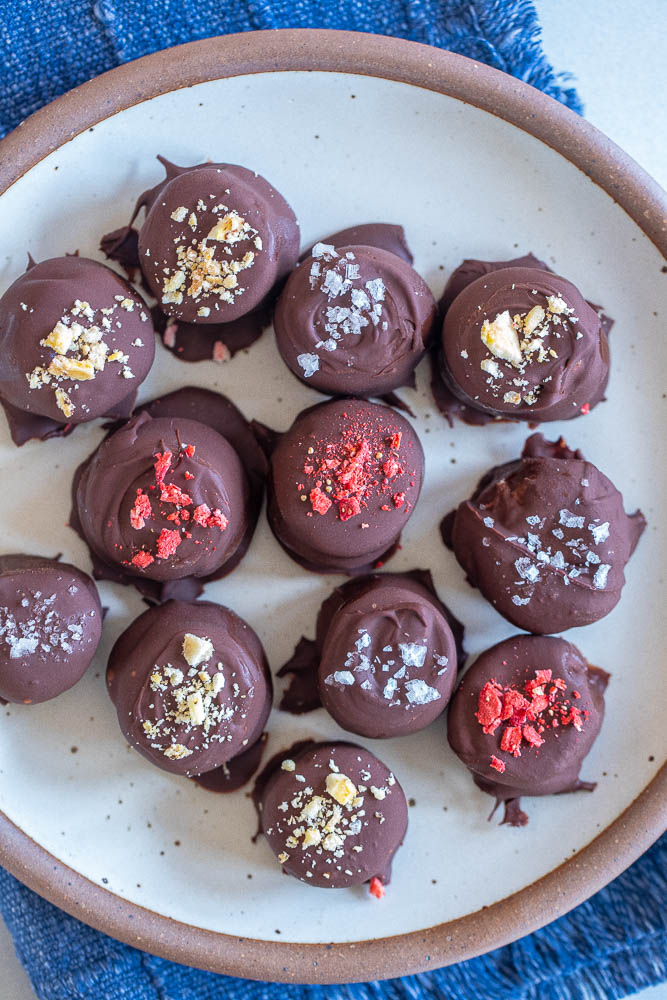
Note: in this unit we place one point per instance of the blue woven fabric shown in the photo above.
(50, 46)
(610, 946)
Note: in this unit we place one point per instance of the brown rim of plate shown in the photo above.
(643, 200)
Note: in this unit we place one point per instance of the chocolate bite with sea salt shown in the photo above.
(521, 343)
(343, 482)
(163, 499)
(524, 717)
(545, 538)
(388, 656)
(75, 341)
(191, 686)
(50, 627)
(333, 814)
(353, 320)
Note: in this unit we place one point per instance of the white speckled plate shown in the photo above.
(90, 823)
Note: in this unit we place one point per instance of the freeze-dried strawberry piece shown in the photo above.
(167, 543)
(162, 466)
(531, 735)
(174, 494)
(217, 520)
(376, 887)
(201, 514)
(514, 706)
(142, 559)
(349, 508)
(391, 468)
(489, 707)
(399, 499)
(320, 501)
(498, 764)
(140, 511)
(511, 741)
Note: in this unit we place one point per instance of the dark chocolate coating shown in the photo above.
(552, 767)
(124, 463)
(557, 387)
(355, 320)
(29, 312)
(151, 715)
(388, 663)
(272, 237)
(379, 832)
(326, 542)
(546, 539)
(50, 627)
(470, 269)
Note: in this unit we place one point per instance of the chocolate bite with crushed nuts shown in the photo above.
(75, 343)
(216, 239)
(521, 343)
(191, 686)
(545, 538)
(524, 717)
(343, 482)
(50, 627)
(333, 814)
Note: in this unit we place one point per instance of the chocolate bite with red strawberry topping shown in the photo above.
(343, 482)
(164, 500)
(524, 718)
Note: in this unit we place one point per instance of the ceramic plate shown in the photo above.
(350, 129)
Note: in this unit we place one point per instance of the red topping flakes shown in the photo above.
(391, 468)
(511, 740)
(174, 494)
(189, 450)
(586, 408)
(320, 501)
(142, 559)
(141, 511)
(497, 705)
(217, 520)
(349, 508)
(352, 467)
(489, 707)
(167, 543)
(531, 735)
(514, 706)
(188, 475)
(201, 514)
(162, 466)
(376, 887)
(207, 518)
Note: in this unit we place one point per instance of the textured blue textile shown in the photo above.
(610, 946)
(50, 46)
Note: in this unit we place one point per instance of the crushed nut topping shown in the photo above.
(212, 264)
(520, 341)
(80, 350)
(190, 704)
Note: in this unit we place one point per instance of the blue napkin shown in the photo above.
(609, 947)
